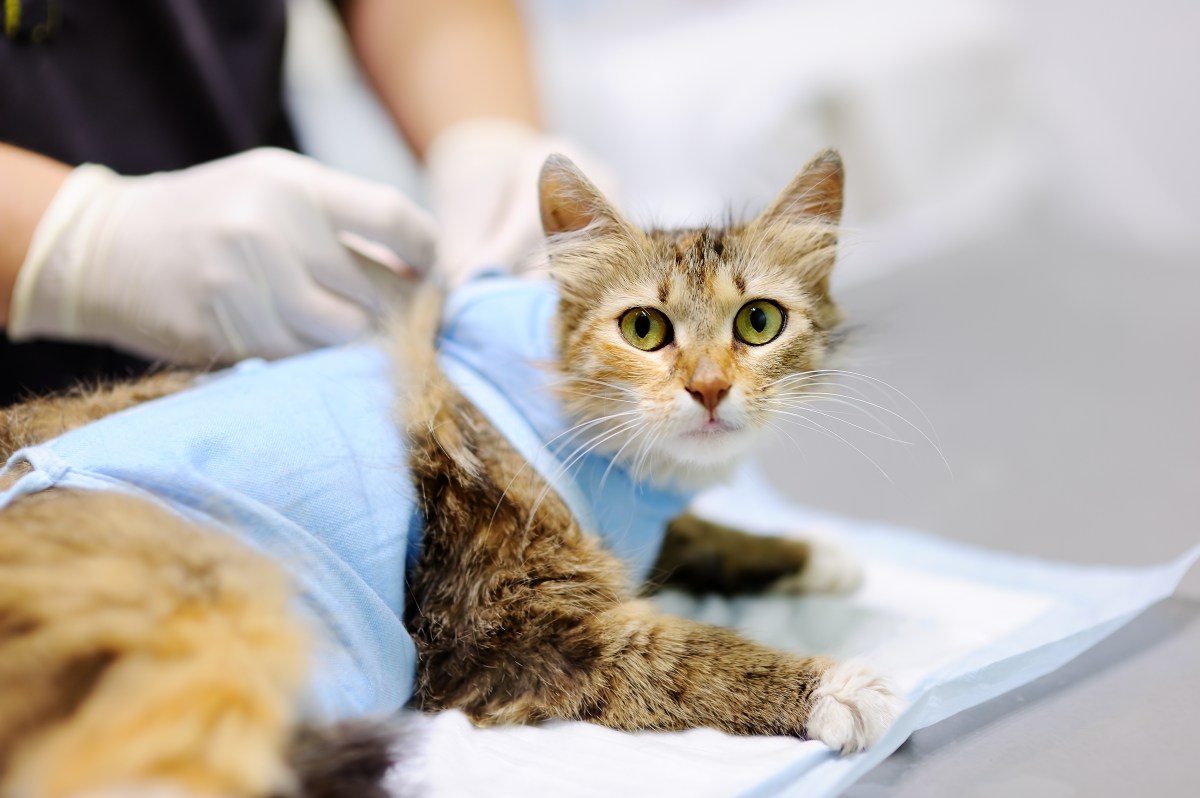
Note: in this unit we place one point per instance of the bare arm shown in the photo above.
(437, 63)
(30, 182)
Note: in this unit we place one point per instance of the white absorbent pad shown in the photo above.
(953, 625)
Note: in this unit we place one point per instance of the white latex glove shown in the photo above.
(259, 254)
(482, 179)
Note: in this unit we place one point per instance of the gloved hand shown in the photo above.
(482, 179)
(247, 255)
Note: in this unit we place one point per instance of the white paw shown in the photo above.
(852, 706)
(828, 569)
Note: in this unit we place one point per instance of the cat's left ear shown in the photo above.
(800, 225)
(569, 202)
(814, 195)
(586, 237)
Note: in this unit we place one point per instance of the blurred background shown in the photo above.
(1022, 273)
(951, 114)
(1021, 251)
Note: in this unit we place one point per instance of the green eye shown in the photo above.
(758, 322)
(646, 328)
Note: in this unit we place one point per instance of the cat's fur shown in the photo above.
(111, 609)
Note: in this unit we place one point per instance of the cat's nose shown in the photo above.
(708, 384)
(709, 394)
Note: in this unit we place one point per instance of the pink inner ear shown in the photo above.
(567, 200)
(561, 214)
(814, 194)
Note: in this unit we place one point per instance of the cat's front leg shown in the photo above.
(655, 671)
(700, 556)
(544, 629)
(519, 616)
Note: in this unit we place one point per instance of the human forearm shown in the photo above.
(28, 182)
(437, 63)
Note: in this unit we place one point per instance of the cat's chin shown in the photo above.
(698, 459)
(709, 445)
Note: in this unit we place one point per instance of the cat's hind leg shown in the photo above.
(36, 420)
(138, 650)
(700, 556)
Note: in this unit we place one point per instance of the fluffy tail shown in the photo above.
(347, 760)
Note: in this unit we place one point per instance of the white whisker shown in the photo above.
(575, 430)
(798, 385)
(617, 454)
(802, 408)
(814, 425)
(650, 443)
(599, 396)
(883, 384)
(579, 453)
(809, 398)
(572, 432)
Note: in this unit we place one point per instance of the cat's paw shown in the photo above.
(851, 707)
(828, 568)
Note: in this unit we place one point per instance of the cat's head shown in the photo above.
(678, 347)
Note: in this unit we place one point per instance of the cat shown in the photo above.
(137, 647)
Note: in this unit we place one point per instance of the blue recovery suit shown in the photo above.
(302, 459)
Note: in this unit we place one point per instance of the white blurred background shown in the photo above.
(1020, 264)
(951, 114)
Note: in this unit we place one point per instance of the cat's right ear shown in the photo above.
(569, 202)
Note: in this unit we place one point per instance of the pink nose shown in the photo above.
(709, 394)
(708, 384)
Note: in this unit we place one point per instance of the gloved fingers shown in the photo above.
(376, 254)
(328, 266)
(378, 213)
(285, 244)
(278, 309)
(349, 268)
(482, 179)
(251, 329)
(333, 303)
(320, 318)
(379, 267)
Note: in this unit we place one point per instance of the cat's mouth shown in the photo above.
(711, 428)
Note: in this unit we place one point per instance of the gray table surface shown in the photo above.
(1063, 383)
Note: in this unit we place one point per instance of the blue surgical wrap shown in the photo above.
(303, 460)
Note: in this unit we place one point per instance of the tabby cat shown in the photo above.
(139, 648)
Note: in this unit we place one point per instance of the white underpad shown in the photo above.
(953, 625)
